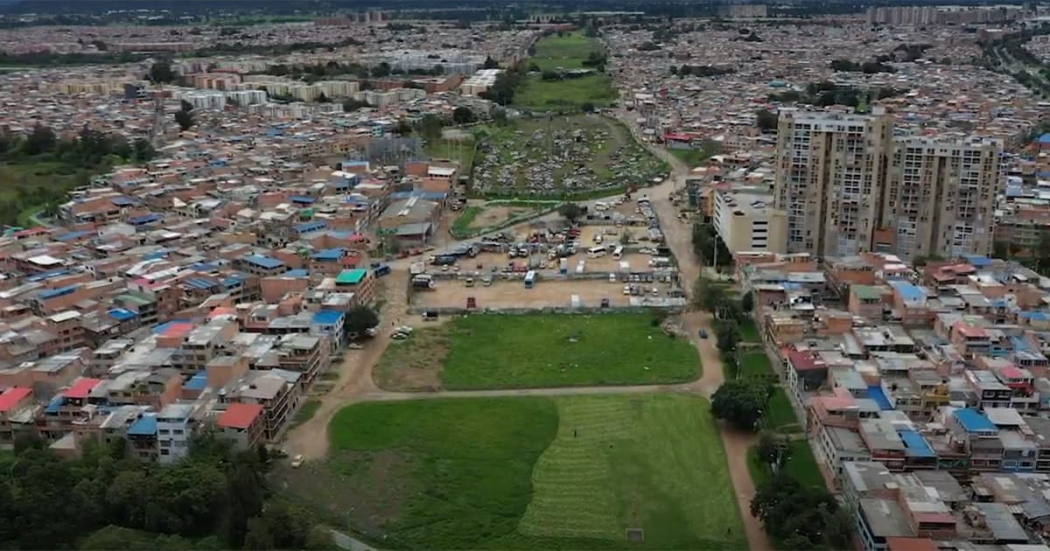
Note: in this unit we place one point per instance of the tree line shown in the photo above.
(215, 498)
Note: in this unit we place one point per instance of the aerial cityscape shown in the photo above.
(337, 274)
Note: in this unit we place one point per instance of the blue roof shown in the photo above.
(876, 393)
(908, 291)
(73, 235)
(54, 404)
(307, 227)
(974, 421)
(297, 273)
(977, 260)
(53, 293)
(156, 255)
(263, 261)
(305, 199)
(328, 254)
(204, 267)
(161, 328)
(1035, 315)
(428, 195)
(122, 314)
(199, 381)
(1045, 138)
(200, 283)
(123, 201)
(47, 275)
(233, 281)
(144, 219)
(916, 444)
(145, 426)
(327, 317)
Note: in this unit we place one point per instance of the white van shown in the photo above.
(618, 252)
(596, 252)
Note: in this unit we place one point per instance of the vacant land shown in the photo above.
(567, 51)
(480, 216)
(529, 473)
(539, 350)
(459, 150)
(26, 184)
(801, 465)
(560, 157)
(306, 412)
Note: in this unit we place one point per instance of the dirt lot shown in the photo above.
(513, 294)
(493, 215)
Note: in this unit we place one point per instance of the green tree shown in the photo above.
(142, 150)
(491, 63)
(741, 401)
(773, 449)
(360, 319)
(571, 212)
(185, 119)
(747, 303)
(41, 140)
(728, 335)
(587, 107)
(463, 115)
(322, 98)
(185, 106)
(766, 120)
(430, 127)
(352, 104)
(160, 72)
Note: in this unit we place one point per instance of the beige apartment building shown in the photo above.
(940, 197)
(830, 167)
(849, 187)
(748, 222)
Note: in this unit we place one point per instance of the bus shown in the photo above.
(618, 252)
(530, 279)
(596, 252)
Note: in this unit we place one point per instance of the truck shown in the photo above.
(423, 281)
(563, 266)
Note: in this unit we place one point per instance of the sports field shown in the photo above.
(567, 51)
(539, 350)
(583, 472)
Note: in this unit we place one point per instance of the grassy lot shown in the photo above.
(749, 331)
(537, 350)
(461, 151)
(604, 159)
(30, 175)
(568, 51)
(306, 412)
(801, 465)
(462, 224)
(528, 473)
(779, 415)
(537, 94)
(755, 364)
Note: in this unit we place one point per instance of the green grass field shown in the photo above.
(779, 414)
(453, 150)
(537, 350)
(306, 412)
(536, 94)
(568, 52)
(755, 364)
(529, 473)
(462, 223)
(801, 465)
(749, 331)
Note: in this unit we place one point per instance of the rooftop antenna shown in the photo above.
(156, 131)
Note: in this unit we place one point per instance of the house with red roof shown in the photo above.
(13, 401)
(242, 424)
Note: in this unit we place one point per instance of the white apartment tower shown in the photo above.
(829, 174)
(940, 196)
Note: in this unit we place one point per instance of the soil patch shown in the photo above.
(414, 364)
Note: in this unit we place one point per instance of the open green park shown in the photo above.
(488, 351)
(573, 472)
(566, 51)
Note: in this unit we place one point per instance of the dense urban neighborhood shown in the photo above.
(679, 276)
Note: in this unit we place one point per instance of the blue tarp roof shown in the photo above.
(73, 235)
(1045, 138)
(155, 255)
(327, 317)
(144, 426)
(161, 328)
(233, 281)
(199, 381)
(974, 421)
(200, 283)
(122, 314)
(307, 227)
(204, 267)
(144, 219)
(47, 275)
(297, 273)
(52, 293)
(908, 291)
(54, 404)
(328, 254)
(123, 201)
(978, 261)
(1035, 316)
(916, 444)
(304, 199)
(875, 393)
(263, 261)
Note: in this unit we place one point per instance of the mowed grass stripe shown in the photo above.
(573, 489)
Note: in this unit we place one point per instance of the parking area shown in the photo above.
(545, 294)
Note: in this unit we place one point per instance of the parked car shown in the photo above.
(298, 461)
(703, 333)
(605, 303)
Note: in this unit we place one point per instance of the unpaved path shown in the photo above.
(355, 383)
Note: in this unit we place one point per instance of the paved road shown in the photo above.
(355, 383)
